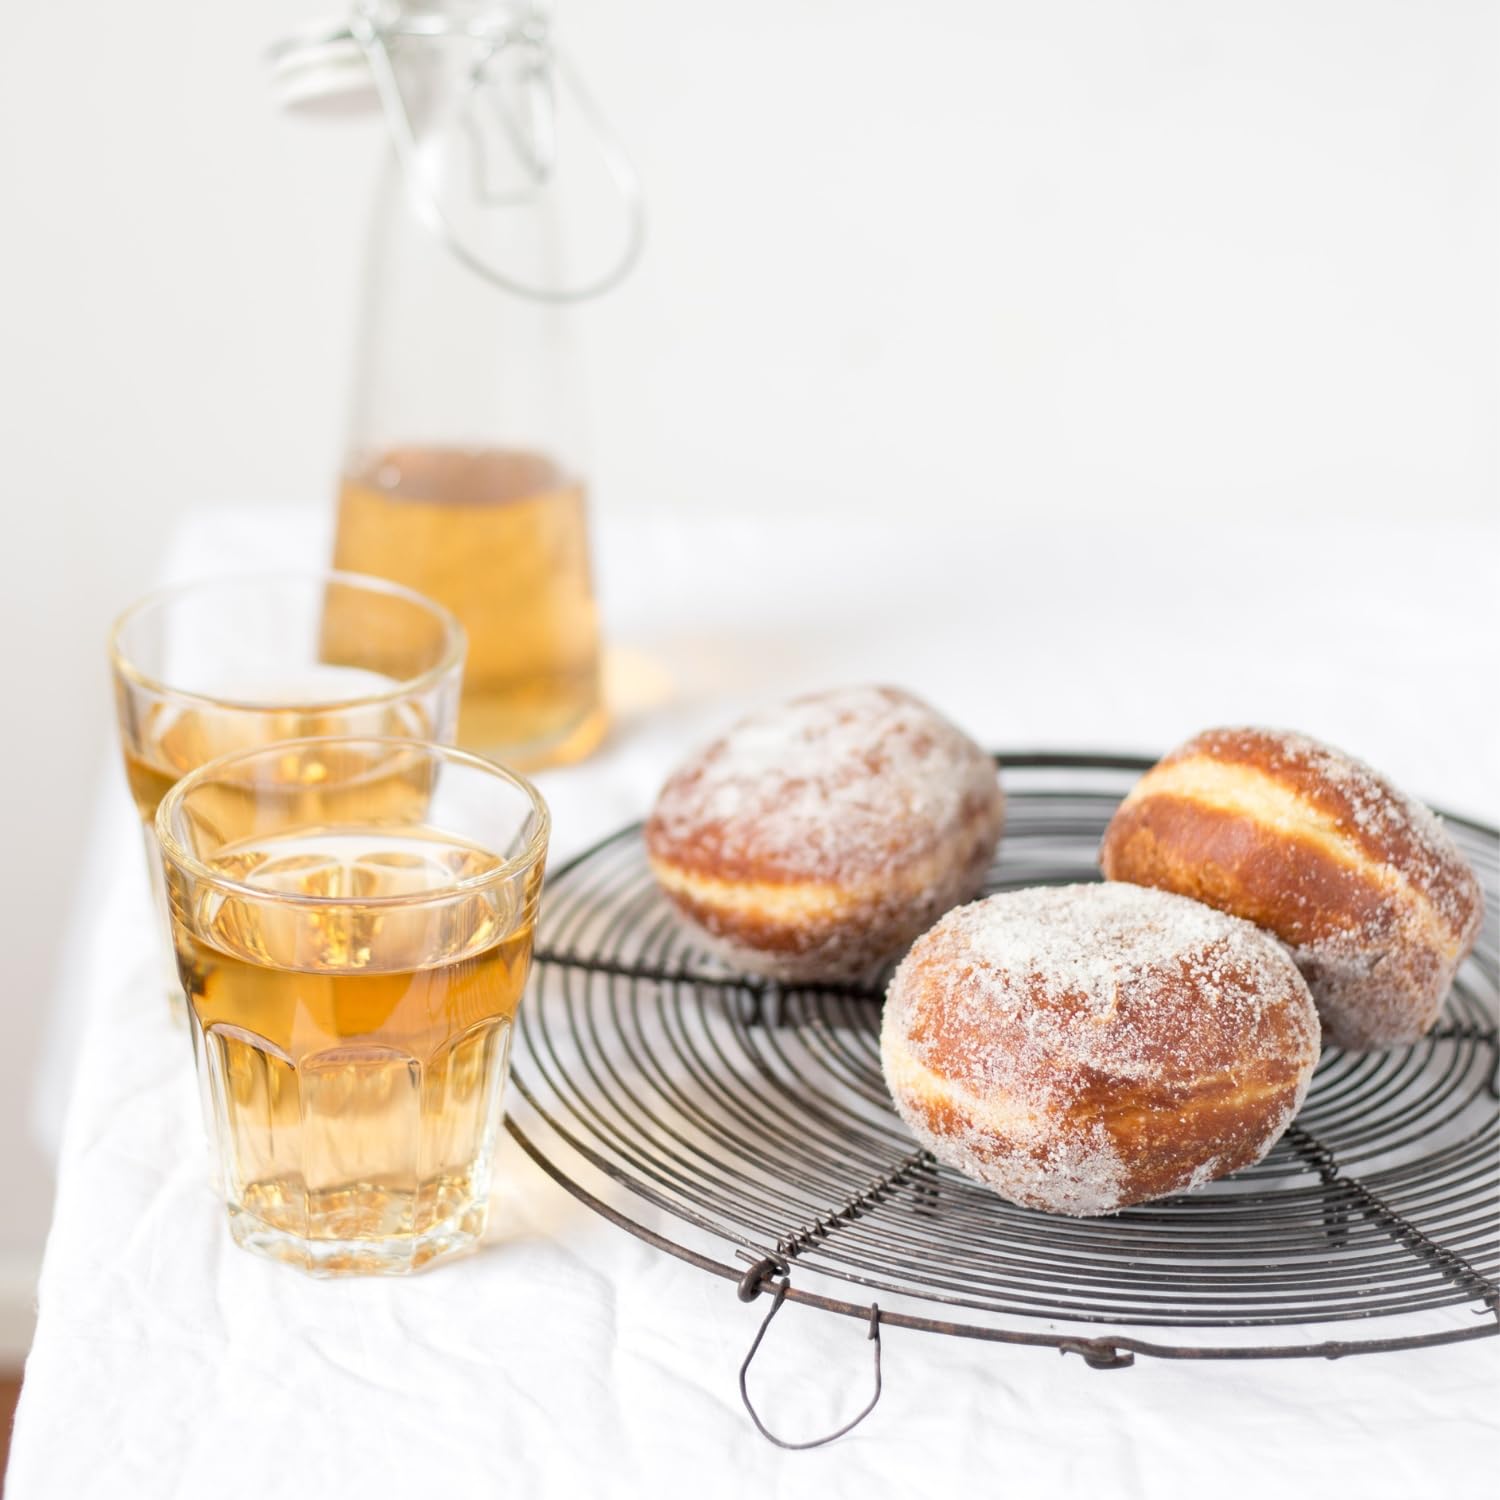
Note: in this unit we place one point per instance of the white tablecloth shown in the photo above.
(568, 1358)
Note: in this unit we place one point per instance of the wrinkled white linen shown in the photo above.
(570, 1359)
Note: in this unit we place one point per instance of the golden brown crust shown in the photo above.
(817, 838)
(1084, 1048)
(809, 929)
(1363, 885)
(1290, 885)
(1388, 826)
(1166, 1140)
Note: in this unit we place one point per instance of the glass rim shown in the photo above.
(452, 656)
(174, 852)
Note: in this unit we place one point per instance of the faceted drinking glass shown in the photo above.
(231, 663)
(353, 927)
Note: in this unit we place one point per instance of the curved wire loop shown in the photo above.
(784, 1280)
(370, 33)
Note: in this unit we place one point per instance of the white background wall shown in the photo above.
(1157, 259)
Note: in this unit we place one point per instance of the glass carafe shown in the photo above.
(465, 475)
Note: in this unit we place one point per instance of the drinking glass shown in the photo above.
(231, 663)
(353, 926)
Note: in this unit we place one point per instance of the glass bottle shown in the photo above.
(465, 474)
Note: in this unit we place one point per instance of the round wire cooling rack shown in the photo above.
(745, 1127)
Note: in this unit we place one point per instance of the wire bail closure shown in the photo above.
(751, 1285)
(532, 134)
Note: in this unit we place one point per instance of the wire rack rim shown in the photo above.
(1113, 1350)
(1092, 1348)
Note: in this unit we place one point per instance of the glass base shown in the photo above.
(562, 749)
(394, 1255)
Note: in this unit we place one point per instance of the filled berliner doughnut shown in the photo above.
(819, 837)
(1082, 1048)
(1363, 884)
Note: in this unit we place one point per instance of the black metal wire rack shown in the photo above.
(745, 1127)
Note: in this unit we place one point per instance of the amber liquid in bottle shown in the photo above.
(501, 538)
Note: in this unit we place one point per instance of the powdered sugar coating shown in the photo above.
(834, 785)
(817, 839)
(1081, 1048)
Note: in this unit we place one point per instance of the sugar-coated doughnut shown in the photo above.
(1082, 1048)
(1363, 884)
(819, 837)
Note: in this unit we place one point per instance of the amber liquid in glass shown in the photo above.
(355, 1057)
(169, 739)
(500, 538)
